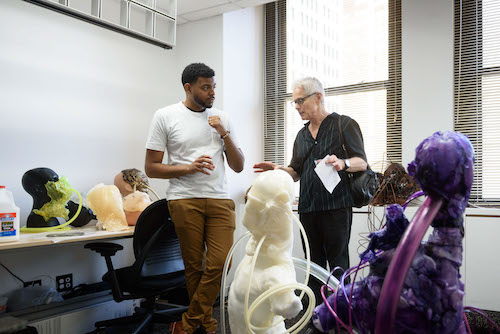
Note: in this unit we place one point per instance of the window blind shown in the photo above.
(275, 82)
(477, 90)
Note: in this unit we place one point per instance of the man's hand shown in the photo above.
(264, 166)
(201, 164)
(214, 122)
(336, 163)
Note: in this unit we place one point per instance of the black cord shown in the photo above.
(10, 272)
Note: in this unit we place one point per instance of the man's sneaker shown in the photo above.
(176, 328)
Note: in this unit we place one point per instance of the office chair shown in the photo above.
(158, 270)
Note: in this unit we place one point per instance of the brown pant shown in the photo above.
(203, 223)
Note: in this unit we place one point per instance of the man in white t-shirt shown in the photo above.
(196, 137)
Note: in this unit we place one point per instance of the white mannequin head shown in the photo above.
(268, 209)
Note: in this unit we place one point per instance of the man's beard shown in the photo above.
(202, 103)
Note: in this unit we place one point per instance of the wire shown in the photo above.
(10, 272)
(412, 197)
(151, 189)
(466, 323)
(474, 205)
(337, 318)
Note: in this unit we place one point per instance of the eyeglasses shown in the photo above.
(300, 101)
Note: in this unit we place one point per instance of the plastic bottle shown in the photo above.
(9, 217)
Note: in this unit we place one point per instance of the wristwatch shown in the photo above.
(347, 164)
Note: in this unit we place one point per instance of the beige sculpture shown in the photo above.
(268, 216)
(106, 203)
(133, 185)
(134, 204)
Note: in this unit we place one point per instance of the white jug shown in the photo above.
(9, 217)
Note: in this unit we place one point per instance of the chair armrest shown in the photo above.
(107, 250)
(104, 248)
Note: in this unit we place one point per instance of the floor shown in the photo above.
(477, 323)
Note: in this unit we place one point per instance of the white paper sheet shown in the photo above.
(327, 174)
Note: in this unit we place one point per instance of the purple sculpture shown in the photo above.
(413, 287)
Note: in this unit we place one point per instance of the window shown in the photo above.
(357, 57)
(477, 90)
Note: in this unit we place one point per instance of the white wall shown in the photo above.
(76, 98)
(243, 54)
(201, 41)
(427, 71)
(480, 267)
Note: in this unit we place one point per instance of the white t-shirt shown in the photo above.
(185, 135)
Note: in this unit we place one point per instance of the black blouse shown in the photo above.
(313, 195)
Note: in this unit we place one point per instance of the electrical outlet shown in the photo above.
(64, 282)
(33, 283)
